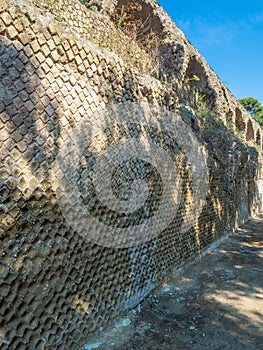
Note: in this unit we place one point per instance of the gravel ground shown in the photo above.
(215, 303)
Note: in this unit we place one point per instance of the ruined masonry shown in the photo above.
(84, 79)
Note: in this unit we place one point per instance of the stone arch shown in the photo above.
(144, 24)
(250, 136)
(140, 13)
(239, 120)
(195, 67)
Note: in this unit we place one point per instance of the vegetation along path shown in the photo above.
(216, 303)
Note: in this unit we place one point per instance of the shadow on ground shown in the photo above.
(216, 303)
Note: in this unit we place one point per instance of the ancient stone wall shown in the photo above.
(83, 113)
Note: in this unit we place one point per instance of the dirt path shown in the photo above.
(216, 303)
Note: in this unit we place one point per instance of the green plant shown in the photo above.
(166, 82)
(201, 104)
(229, 124)
(50, 3)
(259, 150)
(209, 119)
(194, 78)
(59, 18)
(229, 120)
(254, 108)
(121, 20)
(111, 96)
(240, 136)
(84, 2)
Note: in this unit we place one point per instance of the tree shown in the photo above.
(254, 108)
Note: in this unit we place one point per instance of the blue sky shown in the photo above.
(229, 35)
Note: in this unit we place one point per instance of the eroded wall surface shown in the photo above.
(111, 175)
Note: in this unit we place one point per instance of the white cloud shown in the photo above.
(256, 19)
(220, 32)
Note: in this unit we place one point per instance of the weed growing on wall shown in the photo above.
(240, 136)
(141, 46)
(209, 119)
(50, 3)
(193, 78)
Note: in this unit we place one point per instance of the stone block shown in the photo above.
(11, 32)
(6, 18)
